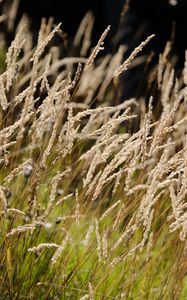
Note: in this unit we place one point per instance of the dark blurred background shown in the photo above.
(131, 22)
(166, 18)
(144, 17)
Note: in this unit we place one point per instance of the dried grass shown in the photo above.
(68, 156)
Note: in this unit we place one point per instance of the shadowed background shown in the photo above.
(130, 25)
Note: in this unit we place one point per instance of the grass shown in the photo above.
(93, 196)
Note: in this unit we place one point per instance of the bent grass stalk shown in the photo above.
(65, 163)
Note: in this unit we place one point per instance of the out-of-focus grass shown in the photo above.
(2, 59)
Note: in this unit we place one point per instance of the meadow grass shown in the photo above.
(92, 196)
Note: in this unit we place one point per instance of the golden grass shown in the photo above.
(90, 207)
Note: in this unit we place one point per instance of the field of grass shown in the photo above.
(92, 195)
